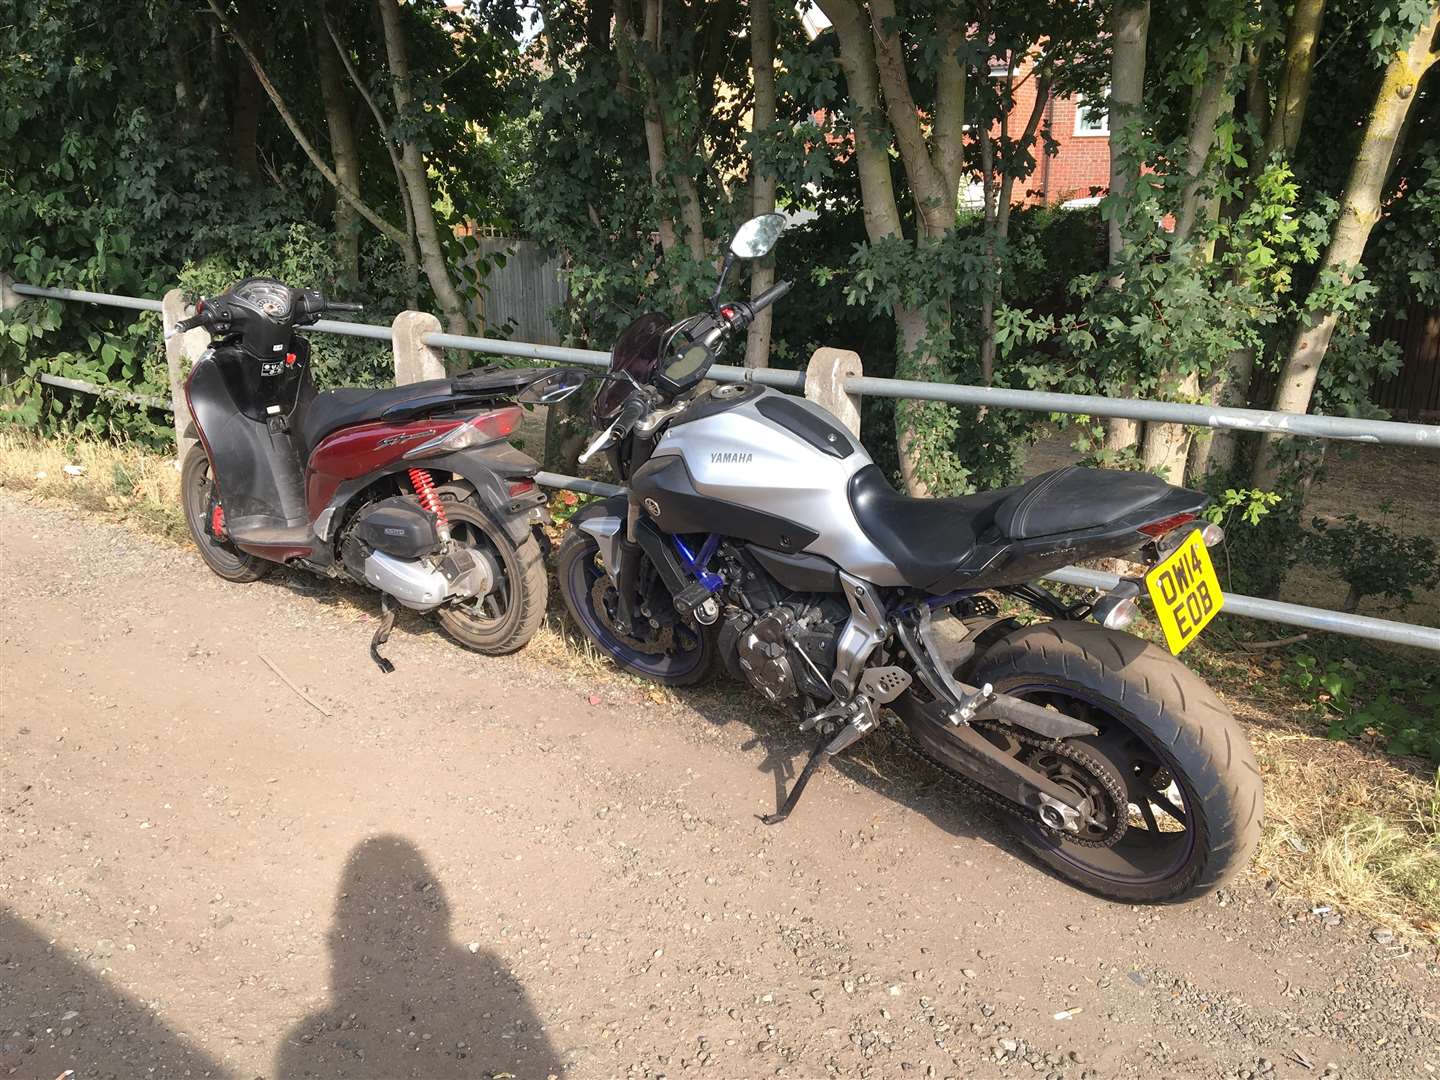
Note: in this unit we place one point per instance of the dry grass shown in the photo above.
(124, 482)
(1348, 827)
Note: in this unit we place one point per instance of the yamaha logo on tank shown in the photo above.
(731, 457)
(652, 507)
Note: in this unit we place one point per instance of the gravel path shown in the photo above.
(482, 867)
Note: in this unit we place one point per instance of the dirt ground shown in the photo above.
(477, 868)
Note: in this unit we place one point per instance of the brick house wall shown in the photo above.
(1081, 167)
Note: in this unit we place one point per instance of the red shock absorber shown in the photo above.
(429, 497)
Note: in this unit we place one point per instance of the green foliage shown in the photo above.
(1249, 504)
(1262, 536)
(1406, 244)
(1382, 700)
(1373, 559)
(303, 252)
(126, 171)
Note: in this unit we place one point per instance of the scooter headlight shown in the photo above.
(479, 430)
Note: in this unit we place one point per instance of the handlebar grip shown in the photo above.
(769, 296)
(629, 416)
(189, 324)
(340, 305)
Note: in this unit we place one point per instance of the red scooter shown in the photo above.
(413, 490)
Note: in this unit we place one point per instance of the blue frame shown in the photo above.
(696, 562)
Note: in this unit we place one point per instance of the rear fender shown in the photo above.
(490, 470)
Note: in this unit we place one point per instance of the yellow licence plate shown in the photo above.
(1185, 591)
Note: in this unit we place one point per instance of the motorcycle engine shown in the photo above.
(785, 650)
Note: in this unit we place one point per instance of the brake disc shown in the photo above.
(602, 600)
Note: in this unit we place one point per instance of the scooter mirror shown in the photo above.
(549, 389)
(756, 237)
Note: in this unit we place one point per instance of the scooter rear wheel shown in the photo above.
(506, 618)
(196, 493)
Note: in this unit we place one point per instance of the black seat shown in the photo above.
(924, 538)
(1072, 498)
(335, 409)
(928, 539)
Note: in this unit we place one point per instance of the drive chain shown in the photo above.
(1103, 775)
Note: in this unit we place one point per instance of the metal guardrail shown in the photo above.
(1347, 428)
(150, 401)
(1254, 420)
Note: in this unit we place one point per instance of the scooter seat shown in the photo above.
(929, 540)
(332, 410)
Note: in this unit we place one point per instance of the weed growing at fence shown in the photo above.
(1369, 696)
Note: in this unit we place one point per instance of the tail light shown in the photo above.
(486, 427)
(516, 488)
(1157, 529)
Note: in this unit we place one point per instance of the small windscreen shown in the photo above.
(636, 352)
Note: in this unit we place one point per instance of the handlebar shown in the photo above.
(769, 296)
(340, 305)
(630, 413)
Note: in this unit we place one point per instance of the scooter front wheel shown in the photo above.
(197, 491)
(505, 618)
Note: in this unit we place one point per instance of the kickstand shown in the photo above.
(382, 634)
(818, 757)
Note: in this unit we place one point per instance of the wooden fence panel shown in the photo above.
(520, 296)
(1414, 391)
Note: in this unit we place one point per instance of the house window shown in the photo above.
(1091, 118)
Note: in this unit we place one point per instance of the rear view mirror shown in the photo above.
(756, 237)
(552, 388)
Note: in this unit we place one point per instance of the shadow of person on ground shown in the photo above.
(406, 1000)
(56, 1016)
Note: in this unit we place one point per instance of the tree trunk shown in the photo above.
(244, 107)
(998, 223)
(911, 332)
(1283, 132)
(877, 190)
(762, 179)
(658, 145)
(177, 42)
(417, 182)
(407, 243)
(1359, 210)
(1230, 386)
(1127, 89)
(1166, 446)
(1209, 103)
(343, 150)
(1131, 29)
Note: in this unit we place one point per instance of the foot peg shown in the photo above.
(382, 634)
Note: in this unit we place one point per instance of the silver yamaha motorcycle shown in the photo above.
(756, 532)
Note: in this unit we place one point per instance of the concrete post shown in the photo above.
(414, 360)
(9, 298)
(825, 377)
(181, 351)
